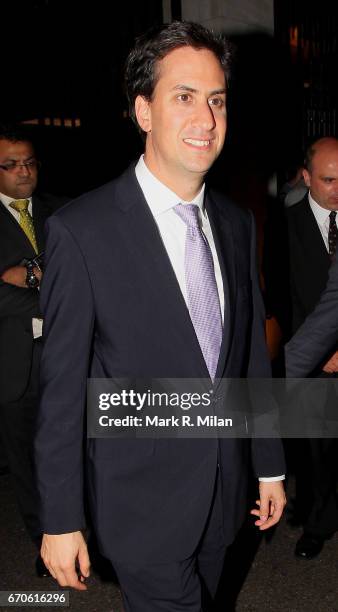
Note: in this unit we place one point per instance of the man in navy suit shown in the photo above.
(120, 300)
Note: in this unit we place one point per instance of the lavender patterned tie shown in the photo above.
(203, 299)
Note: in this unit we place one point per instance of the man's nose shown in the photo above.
(24, 170)
(204, 117)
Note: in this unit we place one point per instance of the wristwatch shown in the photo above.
(31, 280)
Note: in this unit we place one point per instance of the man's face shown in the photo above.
(323, 177)
(20, 182)
(186, 119)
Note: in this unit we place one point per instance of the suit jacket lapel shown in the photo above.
(223, 237)
(7, 218)
(311, 239)
(149, 249)
(150, 252)
(40, 214)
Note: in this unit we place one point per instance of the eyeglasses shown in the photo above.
(14, 166)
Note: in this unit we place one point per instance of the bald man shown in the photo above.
(312, 242)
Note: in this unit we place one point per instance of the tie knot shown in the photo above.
(332, 216)
(188, 214)
(20, 205)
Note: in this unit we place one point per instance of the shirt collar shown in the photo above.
(321, 214)
(159, 197)
(6, 200)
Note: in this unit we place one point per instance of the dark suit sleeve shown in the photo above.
(267, 454)
(67, 305)
(318, 335)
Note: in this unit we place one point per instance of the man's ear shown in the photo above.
(307, 177)
(143, 113)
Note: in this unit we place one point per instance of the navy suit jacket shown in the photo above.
(113, 308)
(317, 338)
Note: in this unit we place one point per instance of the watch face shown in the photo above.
(31, 280)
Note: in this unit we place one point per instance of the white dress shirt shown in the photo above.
(6, 201)
(161, 201)
(322, 216)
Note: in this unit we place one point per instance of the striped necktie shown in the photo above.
(332, 235)
(203, 299)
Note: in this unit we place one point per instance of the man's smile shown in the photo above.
(201, 144)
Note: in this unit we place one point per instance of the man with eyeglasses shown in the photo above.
(22, 217)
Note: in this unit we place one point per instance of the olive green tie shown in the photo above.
(26, 220)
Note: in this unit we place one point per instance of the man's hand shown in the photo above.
(37, 273)
(271, 504)
(331, 366)
(17, 276)
(60, 552)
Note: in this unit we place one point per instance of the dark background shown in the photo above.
(63, 59)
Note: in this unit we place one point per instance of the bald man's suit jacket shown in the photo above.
(17, 305)
(309, 261)
(113, 308)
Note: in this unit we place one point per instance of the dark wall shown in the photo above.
(307, 34)
(64, 58)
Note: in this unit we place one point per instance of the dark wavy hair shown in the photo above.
(141, 72)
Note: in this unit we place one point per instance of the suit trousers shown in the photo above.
(316, 479)
(316, 465)
(187, 585)
(17, 427)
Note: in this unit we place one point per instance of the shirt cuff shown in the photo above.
(272, 478)
(37, 327)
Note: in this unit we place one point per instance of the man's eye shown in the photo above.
(184, 97)
(216, 102)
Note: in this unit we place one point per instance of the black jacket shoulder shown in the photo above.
(297, 210)
(229, 209)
